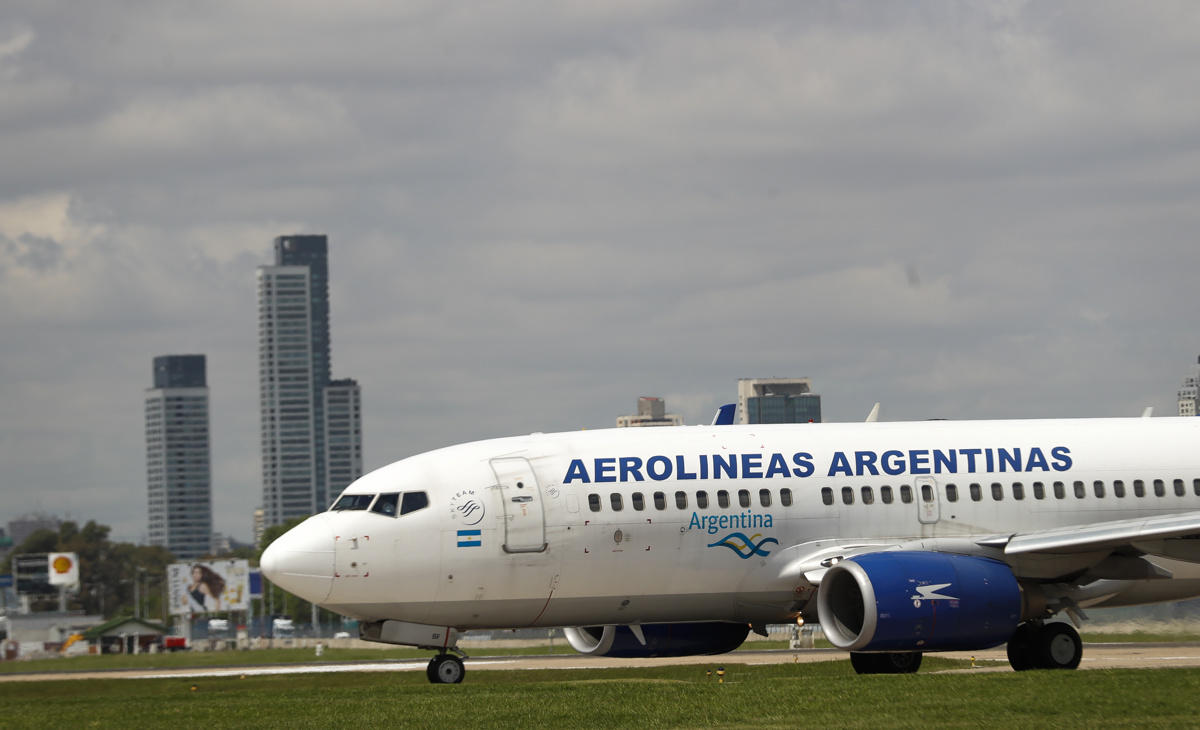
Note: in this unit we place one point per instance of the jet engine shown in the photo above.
(918, 601)
(665, 640)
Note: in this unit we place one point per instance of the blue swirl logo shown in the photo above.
(745, 547)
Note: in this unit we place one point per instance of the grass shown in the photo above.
(825, 694)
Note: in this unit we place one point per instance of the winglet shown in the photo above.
(1148, 412)
(724, 415)
(873, 416)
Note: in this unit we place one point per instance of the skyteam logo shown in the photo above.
(745, 547)
(467, 508)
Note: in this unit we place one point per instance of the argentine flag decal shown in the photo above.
(470, 538)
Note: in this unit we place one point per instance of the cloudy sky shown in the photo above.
(539, 211)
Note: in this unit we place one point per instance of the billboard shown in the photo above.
(209, 586)
(32, 572)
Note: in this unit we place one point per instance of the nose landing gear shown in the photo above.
(445, 669)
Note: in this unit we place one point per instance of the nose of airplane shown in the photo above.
(301, 560)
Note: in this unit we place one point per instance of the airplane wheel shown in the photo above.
(445, 669)
(1057, 646)
(898, 662)
(1020, 654)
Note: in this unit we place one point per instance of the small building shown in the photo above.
(125, 635)
(651, 412)
(26, 634)
(778, 400)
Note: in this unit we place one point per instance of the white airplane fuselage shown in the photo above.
(739, 523)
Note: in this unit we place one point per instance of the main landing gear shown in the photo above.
(445, 669)
(896, 662)
(1037, 645)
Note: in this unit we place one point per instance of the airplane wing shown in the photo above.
(1146, 532)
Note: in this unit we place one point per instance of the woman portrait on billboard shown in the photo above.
(206, 588)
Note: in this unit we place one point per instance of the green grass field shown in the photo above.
(824, 695)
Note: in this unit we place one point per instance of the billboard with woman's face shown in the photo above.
(209, 586)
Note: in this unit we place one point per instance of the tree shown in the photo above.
(108, 571)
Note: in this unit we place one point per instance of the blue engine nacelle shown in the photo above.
(715, 637)
(918, 601)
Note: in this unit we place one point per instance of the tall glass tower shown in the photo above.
(178, 457)
(294, 373)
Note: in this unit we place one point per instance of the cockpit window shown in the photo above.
(386, 504)
(413, 501)
(353, 501)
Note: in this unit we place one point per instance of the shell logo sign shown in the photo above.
(64, 568)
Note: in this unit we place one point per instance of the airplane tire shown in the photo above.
(1057, 646)
(1020, 654)
(445, 669)
(898, 662)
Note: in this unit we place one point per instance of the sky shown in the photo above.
(538, 212)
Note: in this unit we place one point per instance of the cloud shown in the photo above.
(538, 213)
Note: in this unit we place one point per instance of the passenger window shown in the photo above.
(868, 496)
(1098, 489)
(681, 500)
(926, 493)
(660, 500)
(1018, 490)
(847, 495)
(1119, 489)
(615, 498)
(352, 502)
(764, 497)
(997, 491)
(906, 494)
(951, 493)
(1080, 492)
(744, 497)
(702, 500)
(722, 499)
(785, 497)
(1179, 489)
(1060, 491)
(386, 504)
(1196, 486)
(1039, 490)
(885, 495)
(639, 502)
(976, 493)
(594, 502)
(413, 501)
(1139, 488)
(1160, 489)
(827, 495)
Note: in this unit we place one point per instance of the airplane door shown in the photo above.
(928, 508)
(524, 513)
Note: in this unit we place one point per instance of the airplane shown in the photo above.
(898, 539)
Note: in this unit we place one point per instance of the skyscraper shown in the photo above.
(294, 373)
(178, 457)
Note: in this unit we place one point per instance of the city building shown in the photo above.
(178, 457)
(651, 412)
(294, 374)
(1189, 391)
(21, 528)
(778, 400)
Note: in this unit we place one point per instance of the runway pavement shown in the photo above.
(1095, 656)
